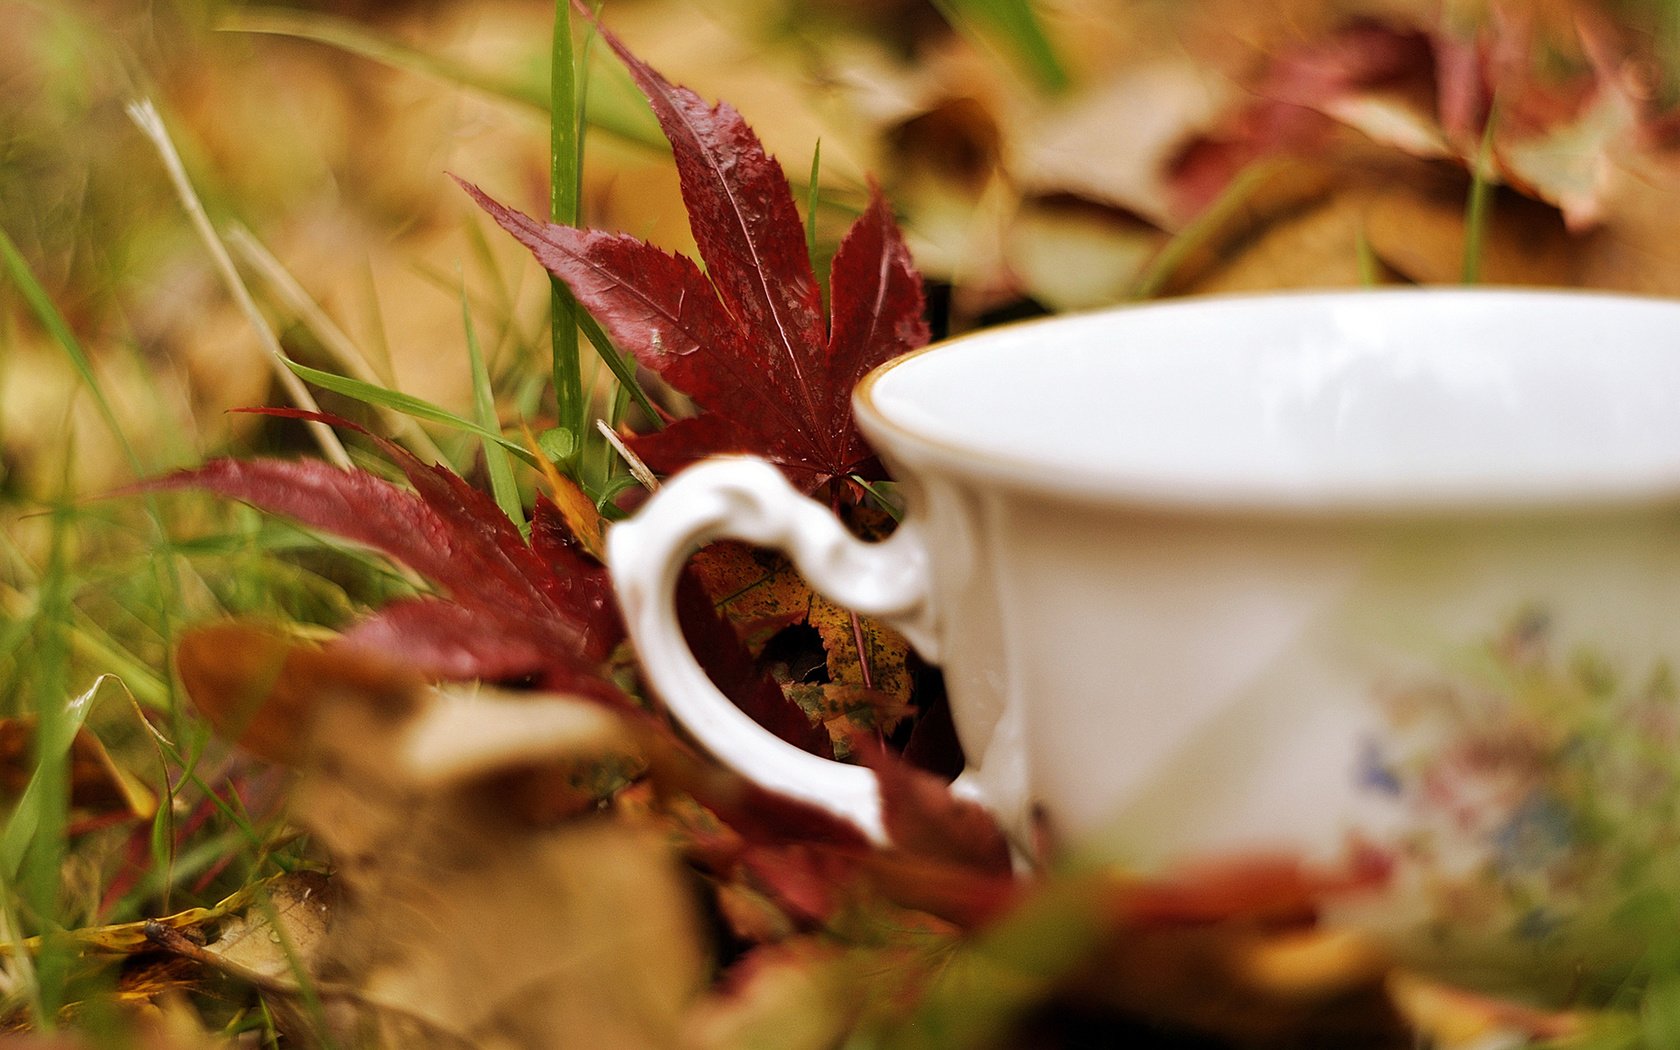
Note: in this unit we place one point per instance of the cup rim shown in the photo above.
(899, 442)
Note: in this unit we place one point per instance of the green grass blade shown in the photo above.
(33, 846)
(1201, 229)
(59, 722)
(1479, 203)
(496, 460)
(812, 196)
(1013, 25)
(571, 409)
(623, 369)
(419, 408)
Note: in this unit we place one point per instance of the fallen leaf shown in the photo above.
(263, 689)
(924, 818)
(747, 339)
(277, 938)
(881, 665)
(1318, 248)
(1458, 1019)
(755, 589)
(1070, 253)
(1110, 142)
(759, 592)
(511, 611)
(459, 922)
(1420, 235)
(732, 669)
(852, 714)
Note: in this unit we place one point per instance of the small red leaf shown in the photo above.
(877, 305)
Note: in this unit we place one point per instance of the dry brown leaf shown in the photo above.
(757, 590)
(460, 923)
(760, 593)
(1111, 141)
(279, 935)
(263, 688)
(1638, 247)
(881, 664)
(1071, 254)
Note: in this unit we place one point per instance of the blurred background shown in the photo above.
(1043, 157)
(285, 190)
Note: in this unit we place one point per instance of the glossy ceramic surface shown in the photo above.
(1370, 578)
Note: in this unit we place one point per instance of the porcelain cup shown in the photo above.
(1381, 574)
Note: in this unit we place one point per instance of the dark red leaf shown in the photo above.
(509, 611)
(808, 882)
(730, 667)
(878, 308)
(747, 339)
(710, 434)
(443, 639)
(745, 225)
(924, 818)
(958, 894)
(581, 582)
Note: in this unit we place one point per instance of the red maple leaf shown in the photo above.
(508, 609)
(747, 339)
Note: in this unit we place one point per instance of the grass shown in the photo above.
(92, 592)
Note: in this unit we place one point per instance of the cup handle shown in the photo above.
(748, 499)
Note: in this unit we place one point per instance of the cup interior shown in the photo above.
(1336, 399)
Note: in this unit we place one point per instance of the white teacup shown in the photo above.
(1388, 573)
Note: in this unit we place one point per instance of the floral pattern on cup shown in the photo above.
(1540, 797)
